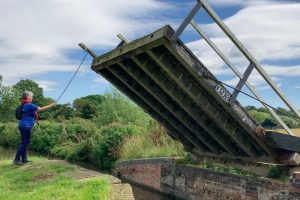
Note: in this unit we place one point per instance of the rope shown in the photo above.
(72, 77)
(264, 103)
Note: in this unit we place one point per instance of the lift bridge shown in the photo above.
(161, 75)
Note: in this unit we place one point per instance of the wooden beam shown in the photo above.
(118, 84)
(207, 106)
(139, 75)
(146, 97)
(282, 141)
(191, 64)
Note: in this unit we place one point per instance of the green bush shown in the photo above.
(73, 151)
(9, 135)
(105, 149)
(77, 130)
(46, 136)
(117, 108)
(154, 143)
(278, 172)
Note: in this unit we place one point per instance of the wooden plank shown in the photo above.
(262, 159)
(132, 48)
(282, 141)
(171, 130)
(209, 108)
(163, 100)
(185, 106)
(192, 64)
(156, 106)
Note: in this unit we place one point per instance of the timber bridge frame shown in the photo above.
(161, 75)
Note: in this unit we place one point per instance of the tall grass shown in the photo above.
(154, 143)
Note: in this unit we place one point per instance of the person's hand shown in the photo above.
(53, 104)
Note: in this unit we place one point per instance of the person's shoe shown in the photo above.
(26, 161)
(18, 162)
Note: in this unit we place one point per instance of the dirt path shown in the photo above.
(120, 191)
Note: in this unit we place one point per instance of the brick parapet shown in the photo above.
(189, 182)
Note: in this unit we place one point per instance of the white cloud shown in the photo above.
(243, 2)
(269, 31)
(46, 85)
(36, 36)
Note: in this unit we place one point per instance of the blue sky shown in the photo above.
(38, 40)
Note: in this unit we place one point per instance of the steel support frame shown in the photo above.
(236, 71)
(187, 20)
(241, 83)
(253, 62)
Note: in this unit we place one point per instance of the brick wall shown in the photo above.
(186, 182)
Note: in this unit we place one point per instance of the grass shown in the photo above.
(44, 180)
(156, 143)
(227, 170)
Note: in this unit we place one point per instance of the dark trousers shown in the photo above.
(23, 146)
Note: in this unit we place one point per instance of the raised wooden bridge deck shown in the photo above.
(162, 76)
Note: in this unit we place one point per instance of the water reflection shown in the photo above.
(143, 194)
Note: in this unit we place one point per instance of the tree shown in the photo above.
(61, 112)
(30, 85)
(88, 107)
(8, 103)
(262, 109)
(116, 107)
(249, 108)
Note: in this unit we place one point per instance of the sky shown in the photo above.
(39, 40)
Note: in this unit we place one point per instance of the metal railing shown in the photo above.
(253, 63)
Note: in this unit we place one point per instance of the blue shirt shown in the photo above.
(28, 115)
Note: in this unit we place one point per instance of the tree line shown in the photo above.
(262, 116)
(105, 109)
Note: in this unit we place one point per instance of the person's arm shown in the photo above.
(46, 107)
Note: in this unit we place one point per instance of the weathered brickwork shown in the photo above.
(187, 182)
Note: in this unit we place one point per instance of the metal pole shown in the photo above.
(249, 56)
(187, 20)
(235, 70)
(241, 83)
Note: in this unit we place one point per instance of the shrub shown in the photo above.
(278, 172)
(105, 148)
(118, 108)
(77, 130)
(75, 141)
(73, 151)
(9, 135)
(155, 143)
(46, 136)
